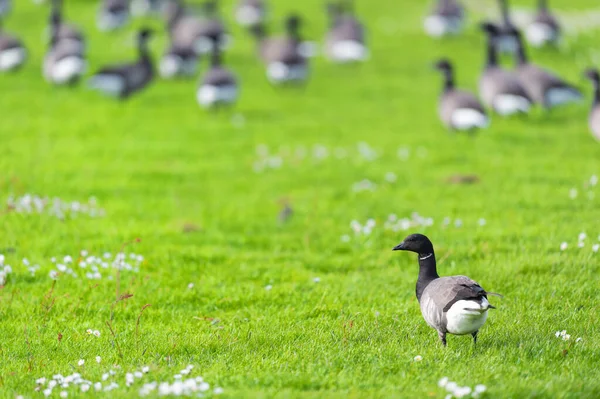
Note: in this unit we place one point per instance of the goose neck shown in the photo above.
(543, 4)
(448, 85)
(427, 272)
(491, 56)
(596, 83)
(504, 11)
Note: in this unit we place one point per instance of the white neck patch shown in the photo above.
(426, 256)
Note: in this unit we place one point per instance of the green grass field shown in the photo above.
(305, 308)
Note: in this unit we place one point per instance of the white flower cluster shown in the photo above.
(396, 224)
(365, 229)
(364, 185)
(5, 270)
(581, 242)
(563, 335)
(95, 333)
(93, 265)
(57, 207)
(589, 185)
(456, 391)
(180, 387)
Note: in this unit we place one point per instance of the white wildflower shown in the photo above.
(47, 392)
(40, 381)
(593, 180)
(451, 386)
(145, 369)
(98, 359)
(582, 236)
(595, 247)
(68, 259)
(317, 279)
(53, 274)
(579, 339)
(390, 177)
(563, 246)
(269, 287)
(64, 394)
(85, 387)
(203, 387)
(418, 358)
(481, 222)
(96, 333)
(138, 374)
(573, 193)
(80, 362)
(190, 286)
(480, 388)
(443, 382)
(218, 391)
(345, 238)
(98, 386)
(581, 244)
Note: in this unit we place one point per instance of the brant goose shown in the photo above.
(65, 62)
(544, 28)
(499, 89)
(282, 55)
(219, 86)
(145, 7)
(13, 53)
(455, 305)
(250, 13)
(543, 87)
(5, 7)
(113, 14)
(123, 80)
(345, 41)
(198, 33)
(63, 31)
(178, 62)
(459, 110)
(594, 120)
(447, 18)
(506, 41)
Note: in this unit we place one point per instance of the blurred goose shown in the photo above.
(452, 305)
(113, 14)
(219, 86)
(594, 120)
(498, 88)
(65, 62)
(345, 41)
(5, 7)
(123, 80)
(282, 55)
(13, 53)
(542, 86)
(145, 7)
(178, 62)
(544, 29)
(459, 110)
(251, 12)
(447, 18)
(505, 40)
(63, 31)
(188, 31)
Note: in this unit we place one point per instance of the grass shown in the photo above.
(182, 181)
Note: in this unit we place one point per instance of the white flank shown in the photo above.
(507, 44)
(349, 51)
(562, 95)
(67, 70)
(140, 7)
(170, 66)
(109, 84)
(278, 72)
(466, 317)
(438, 26)
(510, 104)
(468, 118)
(248, 15)
(12, 58)
(539, 34)
(203, 45)
(209, 96)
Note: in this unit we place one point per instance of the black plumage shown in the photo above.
(594, 118)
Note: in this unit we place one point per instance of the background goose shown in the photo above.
(5, 7)
(447, 18)
(219, 86)
(65, 62)
(594, 120)
(459, 110)
(113, 14)
(284, 61)
(123, 80)
(178, 61)
(145, 7)
(250, 13)
(199, 33)
(345, 41)
(13, 53)
(506, 42)
(544, 28)
(498, 88)
(455, 305)
(543, 87)
(61, 30)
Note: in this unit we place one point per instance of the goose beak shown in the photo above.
(399, 247)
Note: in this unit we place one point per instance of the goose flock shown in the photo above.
(194, 33)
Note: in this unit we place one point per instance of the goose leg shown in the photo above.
(475, 336)
(442, 336)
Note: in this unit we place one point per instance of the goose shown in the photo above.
(452, 305)
(188, 31)
(506, 42)
(542, 86)
(178, 61)
(459, 110)
(250, 13)
(345, 41)
(544, 29)
(65, 62)
(123, 80)
(447, 18)
(219, 86)
(499, 89)
(113, 14)
(13, 53)
(282, 55)
(594, 120)
(60, 30)
(145, 7)
(5, 7)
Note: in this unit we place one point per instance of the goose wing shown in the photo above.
(446, 291)
(595, 121)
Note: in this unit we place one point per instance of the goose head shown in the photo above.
(443, 65)
(415, 243)
(489, 28)
(292, 25)
(592, 74)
